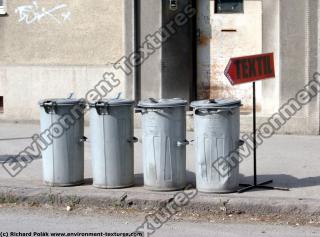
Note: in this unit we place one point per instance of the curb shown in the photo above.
(202, 204)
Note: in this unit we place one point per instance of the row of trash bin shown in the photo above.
(216, 127)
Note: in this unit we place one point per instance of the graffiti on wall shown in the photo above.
(34, 13)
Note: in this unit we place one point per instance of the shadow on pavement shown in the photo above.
(285, 181)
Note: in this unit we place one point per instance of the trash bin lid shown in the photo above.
(216, 103)
(62, 101)
(113, 102)
(162, 103)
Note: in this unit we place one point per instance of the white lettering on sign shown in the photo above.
(34, 13)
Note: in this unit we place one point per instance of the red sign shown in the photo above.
(250, 68)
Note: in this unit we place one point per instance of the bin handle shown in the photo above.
(228, 110)
(99, 107)
(139, 110)
(83, 139)
(70, 95)
(133, 140)
(219, 111)
(183, 143)
(50, 106)
(212, 101)
(154, 100)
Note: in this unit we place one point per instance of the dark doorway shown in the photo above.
(172, 70)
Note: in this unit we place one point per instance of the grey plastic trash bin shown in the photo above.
(111, 124)
(217, 131)
(164, 143)
(63, 159)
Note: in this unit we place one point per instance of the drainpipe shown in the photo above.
(137, 40)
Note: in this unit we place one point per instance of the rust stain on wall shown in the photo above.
(203, 40)
(222, 89)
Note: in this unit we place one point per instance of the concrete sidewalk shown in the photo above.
(291, 161)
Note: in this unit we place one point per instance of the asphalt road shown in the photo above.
(51, 220)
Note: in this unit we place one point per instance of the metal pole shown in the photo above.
(254, 135)
(249, 187)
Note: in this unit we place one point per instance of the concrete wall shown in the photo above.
(222, 36)
(290, 29)
(299, 59)
(43, 56)
(271, 43)
(23, 86)
(91, 35)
